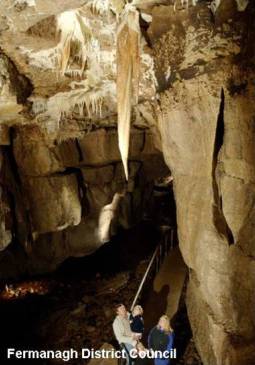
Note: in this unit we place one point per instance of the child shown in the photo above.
(136, 321)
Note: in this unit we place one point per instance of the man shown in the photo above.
(122, 330)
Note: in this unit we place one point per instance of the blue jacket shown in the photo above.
(159, 340)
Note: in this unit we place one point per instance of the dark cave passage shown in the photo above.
(68, 307)
(23, 317)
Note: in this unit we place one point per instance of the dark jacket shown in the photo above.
(136, 323)
(158, 340)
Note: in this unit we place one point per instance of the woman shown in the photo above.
(136, 321)
(161, 339)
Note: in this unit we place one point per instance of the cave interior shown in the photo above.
(127, 143)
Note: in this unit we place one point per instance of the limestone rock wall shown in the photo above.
(206, 118)
(212, 213)
(64, 187)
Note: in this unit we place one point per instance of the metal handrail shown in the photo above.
(144, 277)
(158, 256)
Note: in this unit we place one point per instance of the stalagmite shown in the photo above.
(106, 216)
(128, 62)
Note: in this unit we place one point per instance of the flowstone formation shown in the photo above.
(93, 94)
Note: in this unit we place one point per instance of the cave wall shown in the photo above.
(61, 189)
(206, 118)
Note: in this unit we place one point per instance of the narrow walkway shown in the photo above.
(163, 299)
(167, 289)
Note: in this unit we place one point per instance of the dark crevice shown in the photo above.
(7, 196)
(14, 226)
(144, 141)
(247, 54)
(78, 147)
(237, 88)
(67, 171)
(144, 26)
(21, 232)
(18, 184)
(218, 215)
(82, 193)
(11, 158)
(20, 84)
(219, 134)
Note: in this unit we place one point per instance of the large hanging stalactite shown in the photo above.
(128, 63)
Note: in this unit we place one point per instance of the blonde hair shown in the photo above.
(138, 309)
(164, 323)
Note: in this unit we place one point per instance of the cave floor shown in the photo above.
(167, 288)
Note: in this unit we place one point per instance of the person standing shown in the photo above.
(122, 330)
(161, 338)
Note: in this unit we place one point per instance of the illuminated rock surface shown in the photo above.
(60, 161)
